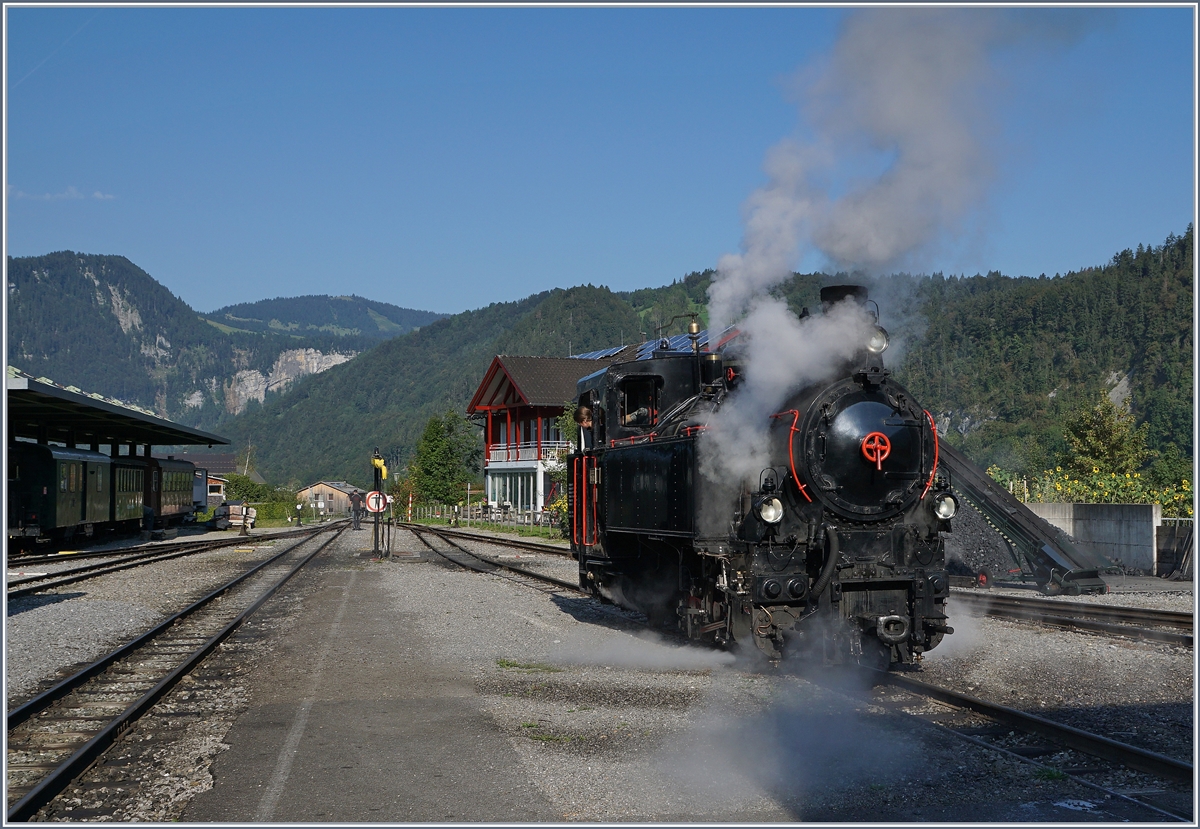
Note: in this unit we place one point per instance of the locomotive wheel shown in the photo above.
(770, 648)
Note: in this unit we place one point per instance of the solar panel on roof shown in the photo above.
(598, 355)
(680, 342)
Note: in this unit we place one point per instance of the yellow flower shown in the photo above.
(1126, 474)
(1058, 469)
(1095, 469)
(1058, 487)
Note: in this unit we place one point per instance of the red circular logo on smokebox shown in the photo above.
(876, 447)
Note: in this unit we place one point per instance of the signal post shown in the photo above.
(376, 500)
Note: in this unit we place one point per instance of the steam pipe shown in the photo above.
(830, 536)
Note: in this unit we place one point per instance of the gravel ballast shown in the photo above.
(610, 722)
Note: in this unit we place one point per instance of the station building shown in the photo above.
(517, 404)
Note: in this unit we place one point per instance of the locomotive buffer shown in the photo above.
(1034, 543)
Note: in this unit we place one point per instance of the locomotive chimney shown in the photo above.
(833, 294)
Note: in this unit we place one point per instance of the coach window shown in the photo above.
(639, 401)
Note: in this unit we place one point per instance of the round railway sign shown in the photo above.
(376, 502)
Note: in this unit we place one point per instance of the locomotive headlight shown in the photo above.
(945, 506)
(878, 342)
(770, 510)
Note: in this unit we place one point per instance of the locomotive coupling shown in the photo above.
(891, 630)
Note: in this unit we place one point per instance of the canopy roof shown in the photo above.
(42, 410)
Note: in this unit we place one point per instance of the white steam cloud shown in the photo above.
(908, 85)
(781, 353)
(906, 90)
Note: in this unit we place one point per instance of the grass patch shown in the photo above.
(529, 725)
(1050, 774)
(527, 667)
(549, 738)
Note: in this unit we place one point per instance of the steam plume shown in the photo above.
(907, 85)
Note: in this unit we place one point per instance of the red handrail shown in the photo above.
(791, 453)
(932, 472)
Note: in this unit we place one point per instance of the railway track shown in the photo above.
(1060, 750)
(58, 734)
(80, 555)
(117, 560)
(464, 558)
(520, 544)
(1057, 748)
(1170, 627)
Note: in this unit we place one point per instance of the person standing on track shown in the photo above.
(356, 501)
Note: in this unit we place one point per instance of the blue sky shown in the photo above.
(447, 158)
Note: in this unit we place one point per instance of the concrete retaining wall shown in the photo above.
(1125, 533)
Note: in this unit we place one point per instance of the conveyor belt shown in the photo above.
(1040, 549)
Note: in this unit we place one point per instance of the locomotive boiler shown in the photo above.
(831, 550)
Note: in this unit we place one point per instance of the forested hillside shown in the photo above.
(103, 324)
(1003, 361)
(363, 320)
(328, 425)
(1000, 361)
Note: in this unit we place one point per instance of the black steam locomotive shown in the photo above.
(830, 551)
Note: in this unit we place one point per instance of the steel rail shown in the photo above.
(62, 578)
(60, 689)
(1096, 745)
(1175, 626)
(53, 784)
(491, 562)
(552, 549)
(77, 574)
(73, 555)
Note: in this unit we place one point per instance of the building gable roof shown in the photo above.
(341, 486)
(531, 381)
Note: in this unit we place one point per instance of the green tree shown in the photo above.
(241, 488)
(1102, 438)
(447, 456)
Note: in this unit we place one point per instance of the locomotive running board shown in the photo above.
(1032, 540)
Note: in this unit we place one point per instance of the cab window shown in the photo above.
(638, 401)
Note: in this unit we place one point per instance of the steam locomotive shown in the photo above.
(832, 550)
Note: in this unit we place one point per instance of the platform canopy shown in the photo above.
(42, 410)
